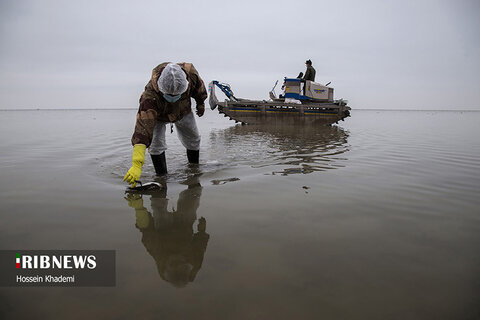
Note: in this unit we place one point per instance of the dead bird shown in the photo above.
(144, 187)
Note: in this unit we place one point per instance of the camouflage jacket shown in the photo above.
(309, 74)
(153, 107)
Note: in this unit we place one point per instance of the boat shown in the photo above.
(302, 102)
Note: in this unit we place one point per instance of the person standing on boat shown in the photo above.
(310, 73)
(167, 99)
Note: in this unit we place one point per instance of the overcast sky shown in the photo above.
(377, 54)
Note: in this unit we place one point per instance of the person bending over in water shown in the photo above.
(166, 99)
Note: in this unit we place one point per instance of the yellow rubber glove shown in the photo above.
(138, 159)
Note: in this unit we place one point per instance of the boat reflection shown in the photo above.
(285, 149)
(169, 236)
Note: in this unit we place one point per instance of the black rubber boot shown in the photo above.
(159, 163)
(193, 155)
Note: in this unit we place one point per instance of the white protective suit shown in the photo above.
(187, 132)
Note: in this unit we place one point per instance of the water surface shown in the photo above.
(376, 218)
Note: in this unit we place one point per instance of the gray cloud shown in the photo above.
(378, 54)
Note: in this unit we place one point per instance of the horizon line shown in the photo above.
(118, 108)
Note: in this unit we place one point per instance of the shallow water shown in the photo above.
(376, 218)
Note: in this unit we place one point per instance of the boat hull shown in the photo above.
(269, 112)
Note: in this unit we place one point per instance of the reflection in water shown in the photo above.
(169, 237)
(217, 182)
(303, 149)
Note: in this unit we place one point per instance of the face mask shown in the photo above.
(170, 98)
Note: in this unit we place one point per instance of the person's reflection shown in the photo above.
(169, 237)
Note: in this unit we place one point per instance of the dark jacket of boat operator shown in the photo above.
(310, 73)
(154, 107)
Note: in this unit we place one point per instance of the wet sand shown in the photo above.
(376, 218)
